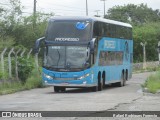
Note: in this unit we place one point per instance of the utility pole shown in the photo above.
(86, 8)
(34, 13)
(104, 6)
(144, 54)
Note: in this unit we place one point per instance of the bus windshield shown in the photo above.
(68, 31)
(66, 57)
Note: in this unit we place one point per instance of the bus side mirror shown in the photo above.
(37, 44)
(92, 45)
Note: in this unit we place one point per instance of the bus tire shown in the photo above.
(126, 75)
(63, 89)
(94, 89)
(121, 83)
(100, 83)
(124, 78)
(56, 89)
(104, 78)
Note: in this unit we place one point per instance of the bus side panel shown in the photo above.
(113, 69)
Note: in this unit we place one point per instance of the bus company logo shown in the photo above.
(81, 25)
(110, 44)
(6, 114)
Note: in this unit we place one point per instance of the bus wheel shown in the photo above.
(63, 89)
(125, 78)
(100, 83)
(104, 77)
(94, 89)
(121, 83)
(56, 89)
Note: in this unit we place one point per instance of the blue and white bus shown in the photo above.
(85, 52)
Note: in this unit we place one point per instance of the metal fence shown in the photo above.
(10, 56)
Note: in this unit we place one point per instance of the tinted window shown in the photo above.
(68, 31)
(107, 58)
(66, 57)
(110, 30)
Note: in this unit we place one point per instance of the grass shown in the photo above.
(153, 83)
(34, 81)
(10, 87)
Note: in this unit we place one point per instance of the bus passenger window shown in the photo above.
(95, 51)
(96, 30)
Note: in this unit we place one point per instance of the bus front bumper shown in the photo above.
(71, 85)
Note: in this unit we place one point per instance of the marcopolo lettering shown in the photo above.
(66, 39)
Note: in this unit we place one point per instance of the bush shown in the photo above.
(34, 81)
(1, 75)
(25, 67)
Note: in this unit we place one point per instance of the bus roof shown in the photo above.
(94, 19)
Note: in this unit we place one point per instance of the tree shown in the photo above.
(26, 35)
(146, 27)
(134, 14)
(149, 33)
(19, 28)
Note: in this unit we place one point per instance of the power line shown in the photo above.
(46, 2)
(70, 8)
(65, 6)
(61, 8)
(4, 4)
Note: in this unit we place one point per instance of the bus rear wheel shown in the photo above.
(123, 80)
(100, 83)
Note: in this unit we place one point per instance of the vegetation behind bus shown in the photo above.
(146, 27)
(19, 30)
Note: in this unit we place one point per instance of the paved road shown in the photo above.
(129, 97)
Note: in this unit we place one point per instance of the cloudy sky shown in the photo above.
(78, 7)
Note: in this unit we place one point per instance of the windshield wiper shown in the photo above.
(58, 57)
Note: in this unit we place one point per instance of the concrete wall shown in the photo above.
(139, 66)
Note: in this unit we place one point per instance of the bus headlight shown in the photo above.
(82, 77)
(47, 76)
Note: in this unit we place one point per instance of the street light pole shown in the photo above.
(104, 6)
(34, 13)
(86, 8)
(144, 54)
